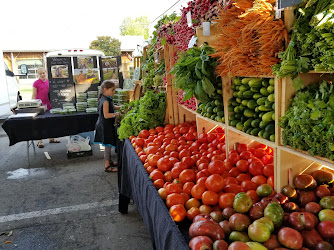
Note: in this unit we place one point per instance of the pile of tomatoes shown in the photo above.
(196, 176)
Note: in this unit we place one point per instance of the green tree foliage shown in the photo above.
(110, 46)
(135, 27)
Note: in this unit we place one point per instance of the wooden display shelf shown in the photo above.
(205, 125)
(250, 137)
(292, 162)
(186, 114)
(228, 94)
(214, 32)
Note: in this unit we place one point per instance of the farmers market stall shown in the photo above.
(48, 125)
(135, 184)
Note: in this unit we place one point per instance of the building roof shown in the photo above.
(128, 44)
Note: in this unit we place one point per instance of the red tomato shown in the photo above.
(214, 143)
(143, 158)
(184, 153)
(209, 198)
(174, 199)
(168, 176)
(171, 147)
(252, 193)
(164, 164)
(192, 212)
(203, 166)
(173, 160)
(173, 188)
(201, 180)
(174, 154)
(202, 173)
(259, 153)
(203, 138)
(232, 188)
(186, 197)
(177, 169)
(248, 185)
(230, 180)
(242, 165)
(233, 158)
(189, 137)
(245, 155)
(270, 181)
(241, 147)
(198, 190)
(162, 193)
(156, 174)
(159, 129)
(267, 159)
(151, 150)
(259, 180)
(144, 134)
(220, 157)
(159, 183)
(139, 142)
(205, 209)
(150, 169)
(226, 200)
(243, 177)
(188, 161)
(184, 130)
(192, 202)
(152, 159)
(215, 183)
(211, 137)
(227, 165)
(216, 167)
(204, 146)
(256, 168)
(268, 170)
(187, 175)
(234, 172)
(187, 187)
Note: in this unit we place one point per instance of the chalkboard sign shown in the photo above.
(61, 81)
(287, 3)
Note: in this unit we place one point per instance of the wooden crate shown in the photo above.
(186, 114)
(205, 125)
(214, 32)
(292, 163)
(228, 94)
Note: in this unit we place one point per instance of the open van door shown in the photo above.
(4, 98)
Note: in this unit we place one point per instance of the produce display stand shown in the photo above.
(288, 162)
(134, 183)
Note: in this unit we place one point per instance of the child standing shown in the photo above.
(105, 132)
(40, 91)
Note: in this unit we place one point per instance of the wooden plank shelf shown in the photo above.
(252, 137)
(205, 125)
(321, 160)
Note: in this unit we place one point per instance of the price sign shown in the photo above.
(206, 28)
(189, 21)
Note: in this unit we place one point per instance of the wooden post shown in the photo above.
(170, 110)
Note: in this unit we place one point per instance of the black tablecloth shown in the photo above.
(48, 126)
(135, 184)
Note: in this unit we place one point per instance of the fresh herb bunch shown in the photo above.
(308, 123)
(123, 111)
(194, 73)
(148, 112)
(312, 41)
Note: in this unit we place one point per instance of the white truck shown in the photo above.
(9, 87)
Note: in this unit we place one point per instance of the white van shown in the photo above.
(9, 88)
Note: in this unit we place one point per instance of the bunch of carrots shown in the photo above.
(250, 39)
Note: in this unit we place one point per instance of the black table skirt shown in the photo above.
(134, 183)
(48, 126)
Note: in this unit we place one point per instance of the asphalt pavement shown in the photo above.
(62, 203)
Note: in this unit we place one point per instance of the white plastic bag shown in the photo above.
(78, 143)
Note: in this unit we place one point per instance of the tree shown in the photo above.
(110, 46)
(135, 27)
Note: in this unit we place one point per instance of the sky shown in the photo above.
(63, 24)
